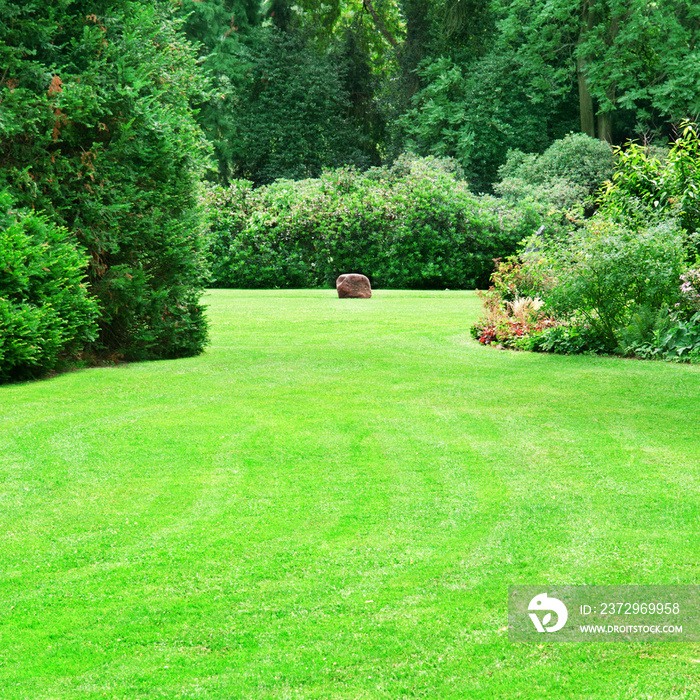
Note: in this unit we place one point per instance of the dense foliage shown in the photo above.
(292, 92)
(46, 313)
(625, 280)
(650, 183)
(463, 79)
(415, 225)
(566, 177)
(218, 28)
(290, 114)
(628, 65)
(98, 132)
(604, 272)
(475, 115)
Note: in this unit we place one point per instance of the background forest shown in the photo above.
(302, 86)
(150, 149)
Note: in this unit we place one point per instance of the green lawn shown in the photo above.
(331, 503)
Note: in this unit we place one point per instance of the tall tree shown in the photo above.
(292, 113)
(221, 29)
(635, 55)
(97, 130)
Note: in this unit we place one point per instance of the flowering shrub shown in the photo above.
(513, 278)
(414, 225)
(606, 270)
(690, 290)
(510, 323)
(618, 282)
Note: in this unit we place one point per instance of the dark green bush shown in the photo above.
(98, 132)
(644, 325)
(46, 313)
(415, 225)
(569, 339)
(660, 335)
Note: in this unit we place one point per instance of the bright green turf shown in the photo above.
(331, 503)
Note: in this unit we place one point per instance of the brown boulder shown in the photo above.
(353, 286)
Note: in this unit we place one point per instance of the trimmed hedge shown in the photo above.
(46, 314)
(415, 225)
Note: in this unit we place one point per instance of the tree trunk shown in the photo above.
(585, 101)
(605, 120)
(367, 5)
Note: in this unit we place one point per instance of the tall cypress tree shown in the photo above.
(97, 130)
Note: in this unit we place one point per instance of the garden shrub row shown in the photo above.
(414, 225)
